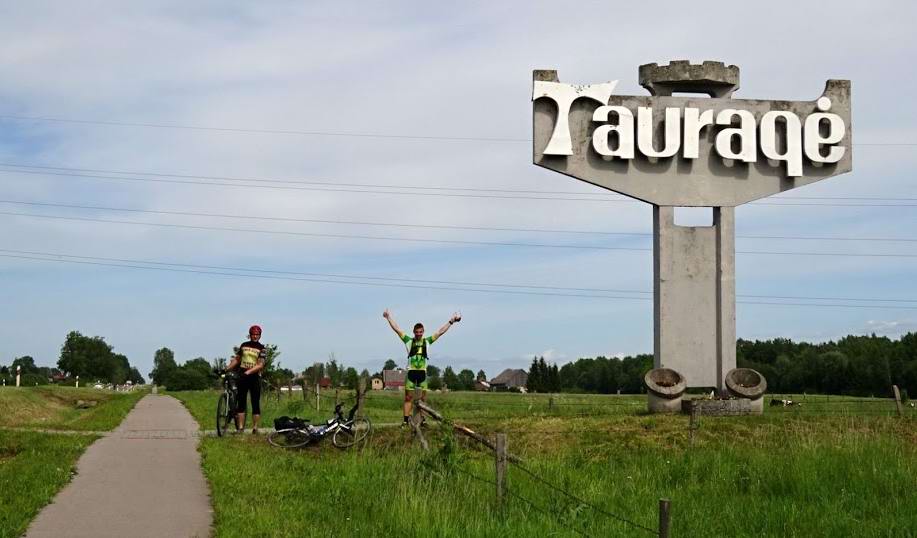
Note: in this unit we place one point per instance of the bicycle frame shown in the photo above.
(335, 423)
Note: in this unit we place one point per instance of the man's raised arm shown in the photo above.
(442, 330)
(392, 324)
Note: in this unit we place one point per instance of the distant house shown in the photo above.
(481, 385)
(393, 379)
(377, 384)
(325, 383)
(510, 379)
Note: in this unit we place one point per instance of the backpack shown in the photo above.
(288, 423)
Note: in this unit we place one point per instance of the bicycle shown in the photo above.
(344, 433)
(226, 405)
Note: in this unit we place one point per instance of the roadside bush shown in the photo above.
(188, 378)
(30, 380)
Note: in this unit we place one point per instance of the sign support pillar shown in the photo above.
(694, 296)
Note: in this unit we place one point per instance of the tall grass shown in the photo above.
(791, 472)
(33, 467)
(855, 487)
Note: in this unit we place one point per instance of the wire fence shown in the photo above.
(494, 413)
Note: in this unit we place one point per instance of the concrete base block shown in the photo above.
(730, 407)
(658, 404)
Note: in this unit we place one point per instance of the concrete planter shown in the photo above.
(749, 384)
(664, 390)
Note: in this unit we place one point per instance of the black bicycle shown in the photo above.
(226, 405)
(344, 432)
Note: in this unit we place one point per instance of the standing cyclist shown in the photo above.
(249, 361)
(417, 357)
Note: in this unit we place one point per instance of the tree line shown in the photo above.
(89, 357)
(446, 378)
(853, 365)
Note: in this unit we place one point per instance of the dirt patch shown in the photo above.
(8, 453)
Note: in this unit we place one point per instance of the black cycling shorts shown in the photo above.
(252, 384)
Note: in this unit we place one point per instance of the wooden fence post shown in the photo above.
(500, 466)
(361, 394)
(416, 418)
(692, 426)
(897, 394)
(664, 514)
(318, 393)
(551, 403)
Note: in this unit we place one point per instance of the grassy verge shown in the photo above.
(33, 467)
(804, 485)
(55, 407)
(792, 472)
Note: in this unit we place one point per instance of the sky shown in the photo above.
(285, 94)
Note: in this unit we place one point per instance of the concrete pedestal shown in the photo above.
(664, 390)
(730, 407)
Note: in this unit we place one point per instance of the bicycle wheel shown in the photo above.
(224, 414)
(353, 433)
(289, 438)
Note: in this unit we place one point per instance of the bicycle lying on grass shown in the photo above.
(226, 405)
(345, 433)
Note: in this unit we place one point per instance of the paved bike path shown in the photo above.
(144, 479)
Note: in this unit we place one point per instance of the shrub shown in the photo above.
(185, 378)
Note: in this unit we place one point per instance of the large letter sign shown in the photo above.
(697, 151)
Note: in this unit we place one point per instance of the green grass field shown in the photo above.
(35, 465)
(54, 407)
(848, 468)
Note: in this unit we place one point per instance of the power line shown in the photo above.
(448, 282)
(315, 132)
(288, 275)
(423, 226)
(361, 190)
(222, 183)
(262, 131)
(438, 241)
(338, 183)
(331, 236)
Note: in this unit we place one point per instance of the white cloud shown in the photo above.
(414, 68)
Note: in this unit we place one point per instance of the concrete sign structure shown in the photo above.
(691, 151)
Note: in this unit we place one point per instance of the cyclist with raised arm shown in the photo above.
(249, 361)
(417, 357)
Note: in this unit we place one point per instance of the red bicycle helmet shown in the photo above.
(254, 329)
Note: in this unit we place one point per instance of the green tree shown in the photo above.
(218, 364)
(481, 376)
(187, 378)
(163, 364)
(533, 383)
(450, 380)
(135, 377)
(92, 358)
(466, 379)
(389, 365)
(27, 363)
(32, 379)
(351, 378)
